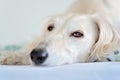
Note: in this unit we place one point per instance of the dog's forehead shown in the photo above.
(79, 22)
(56, 20)
(61, 19)
(70, 23)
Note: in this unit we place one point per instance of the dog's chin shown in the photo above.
(47, 64)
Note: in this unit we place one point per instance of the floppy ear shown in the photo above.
(108, 40)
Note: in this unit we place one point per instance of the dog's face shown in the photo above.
(65, 40)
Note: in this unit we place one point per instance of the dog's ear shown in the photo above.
(108, 39)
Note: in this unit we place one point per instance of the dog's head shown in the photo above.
(73, 38)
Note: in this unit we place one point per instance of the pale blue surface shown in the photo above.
(83, 71)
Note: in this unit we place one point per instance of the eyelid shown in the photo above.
(78, 31)
(77, 34)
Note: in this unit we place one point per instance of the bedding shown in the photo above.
(83, 71)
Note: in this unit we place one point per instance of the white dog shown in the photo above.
(88, 31)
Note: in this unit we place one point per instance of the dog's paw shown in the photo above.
(13, 59)
(8, 59)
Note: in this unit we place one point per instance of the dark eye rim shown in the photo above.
(77, 34)
(50, 27)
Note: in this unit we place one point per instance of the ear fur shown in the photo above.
(108, 40)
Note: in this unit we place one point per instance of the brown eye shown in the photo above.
(50, 27)
(77, 34)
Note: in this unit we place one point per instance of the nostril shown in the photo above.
(39, 59)
(32, 57)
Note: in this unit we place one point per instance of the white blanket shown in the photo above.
(81, 71)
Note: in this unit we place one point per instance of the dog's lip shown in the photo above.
(41, 65)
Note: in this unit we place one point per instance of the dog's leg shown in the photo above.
(13, 58)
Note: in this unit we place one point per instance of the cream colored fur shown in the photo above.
(99, 17)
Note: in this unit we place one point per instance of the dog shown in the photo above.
(88, 31)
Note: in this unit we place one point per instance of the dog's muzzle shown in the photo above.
(38, 56)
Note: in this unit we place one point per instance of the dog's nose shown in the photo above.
(39, 56)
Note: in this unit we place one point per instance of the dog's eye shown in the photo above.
(50, 27)
(77, 34)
